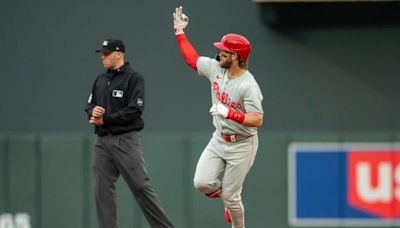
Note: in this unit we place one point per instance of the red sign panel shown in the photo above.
(374, 182)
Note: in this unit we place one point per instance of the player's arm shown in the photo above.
(251, 119)
(252, 99)
(189, 54)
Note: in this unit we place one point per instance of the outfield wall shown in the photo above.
(48, 177)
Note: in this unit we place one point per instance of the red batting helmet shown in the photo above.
(235, 43)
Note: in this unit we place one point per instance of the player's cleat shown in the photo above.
(227, 215)
(215, 194)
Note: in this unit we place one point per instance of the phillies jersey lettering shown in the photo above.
(241, 94)
(224, 97)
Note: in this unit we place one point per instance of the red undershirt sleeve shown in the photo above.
(189, 54)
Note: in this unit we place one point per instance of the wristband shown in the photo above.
(179, 31)
(235, 116)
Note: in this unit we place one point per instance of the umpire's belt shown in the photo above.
(234, 138)
(108, 133)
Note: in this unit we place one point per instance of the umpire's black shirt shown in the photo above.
(121, 93)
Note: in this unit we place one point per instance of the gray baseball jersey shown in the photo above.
(241, 94)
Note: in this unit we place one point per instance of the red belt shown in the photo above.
(234, 138)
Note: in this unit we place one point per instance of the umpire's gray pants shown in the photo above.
(123, 154)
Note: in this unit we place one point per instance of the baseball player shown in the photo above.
(237, 113)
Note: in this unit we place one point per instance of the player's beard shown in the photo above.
(226, 64)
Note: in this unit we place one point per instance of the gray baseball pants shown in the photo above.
(122, 154)
(232, 161)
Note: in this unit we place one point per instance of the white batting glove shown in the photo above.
(213, 109)
(180, 20)
(219, 109)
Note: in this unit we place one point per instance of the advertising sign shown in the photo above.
(344, 184)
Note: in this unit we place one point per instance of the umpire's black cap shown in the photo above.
(110, 45)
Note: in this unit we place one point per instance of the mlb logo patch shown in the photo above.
(344, 184)
(118, 93)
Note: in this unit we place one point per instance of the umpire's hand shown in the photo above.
(98, 111)
(98, 121)
(97, 116)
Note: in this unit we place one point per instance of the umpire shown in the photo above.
(114, 108)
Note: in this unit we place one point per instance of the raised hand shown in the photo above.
(180, 20)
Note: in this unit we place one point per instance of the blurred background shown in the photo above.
(328, 72)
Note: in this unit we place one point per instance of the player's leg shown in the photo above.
(130, 161)
(209, 167)
(105, 176)
(239, 159)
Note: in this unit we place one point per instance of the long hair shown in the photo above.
(242, 64)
